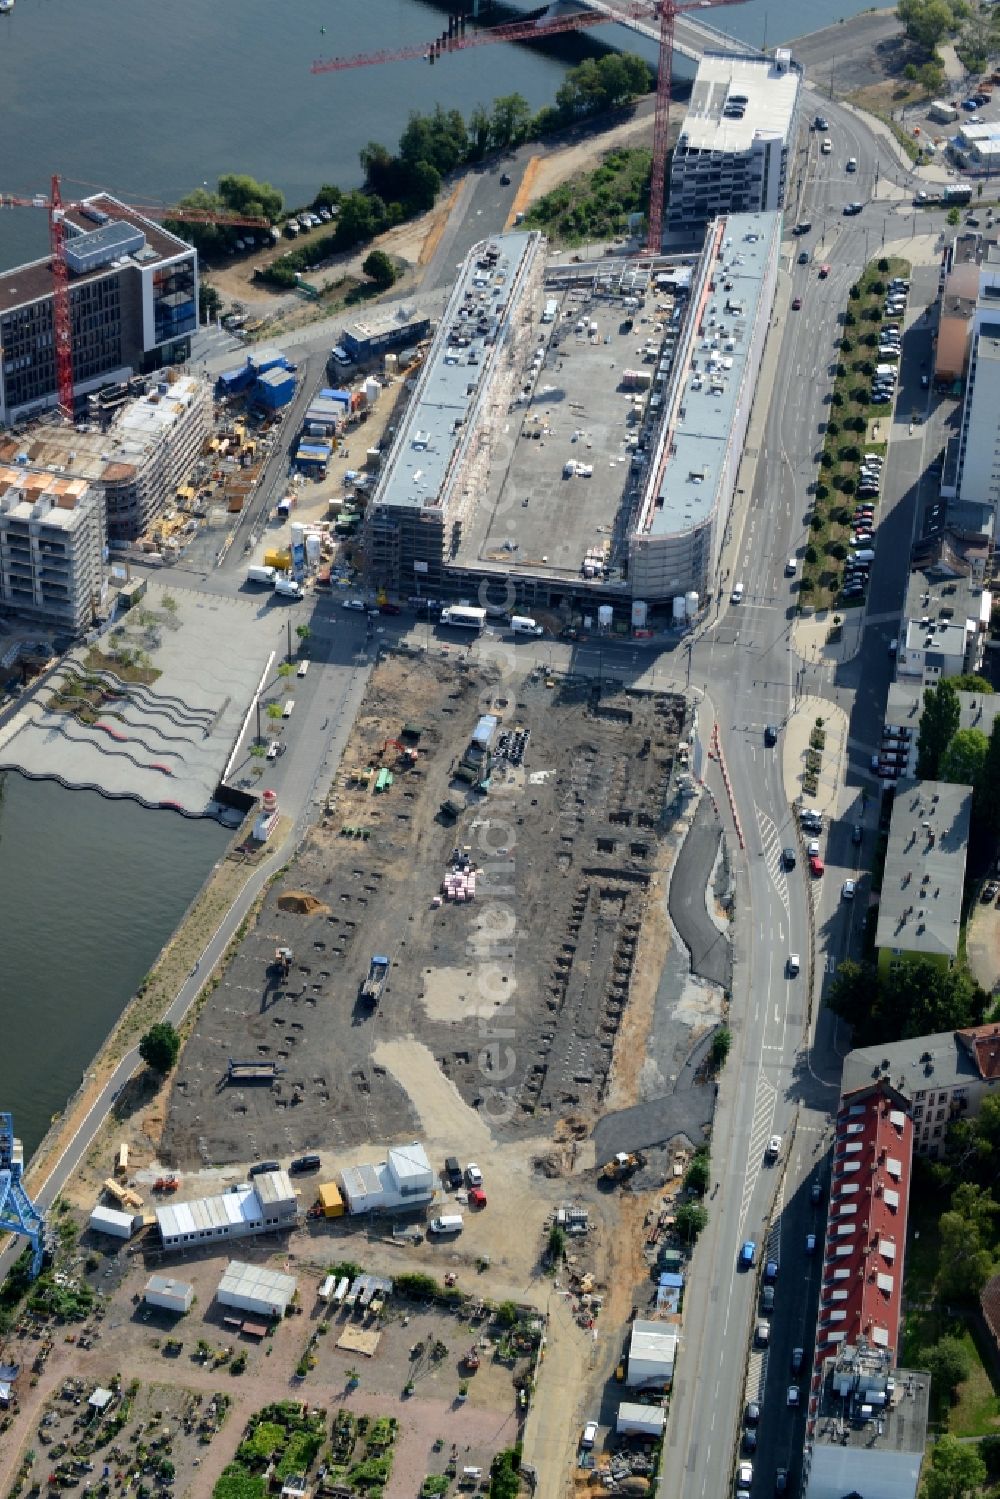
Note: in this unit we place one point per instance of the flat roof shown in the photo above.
(228, 1209)
(377, 322)
(33, 280)
(866, 1402)
(409, 1162)
(274, 1188)
(764, 91)
(653, 1343)
(905, 706)
(166, 1285)
(920, 906)
(66, 496)
(256, 1282)
(439, 420)
(708, 384)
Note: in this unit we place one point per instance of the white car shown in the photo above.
(849, 888)
(589, 1436)
(357, 604)
(812, 848)
(774, 1147)
(473, 1175)
(274, 749)
(793, 964)
(793, 1395)
(744, 1475)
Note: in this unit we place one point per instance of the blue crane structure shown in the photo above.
(18, 1214)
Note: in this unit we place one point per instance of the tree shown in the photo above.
(689, 1220)
(931, 76)
(938, 724)
(505, 1482)
(956, 1472)
(303, 632)
(379, 268)
(209, 303)
(966, 1264)
(698, 1175)
(557, 1244)
(160, 1046)
(719, 1049)
(953, 216)
(970, 681)
(948, 1363)
(963, 760)
(926, 22)
(851, 993)
(243, 194)
(510, 121)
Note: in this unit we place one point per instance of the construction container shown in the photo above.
(330, 1200)
(111, 1221)
(281, 560)
(172, 1295)
(274, 389)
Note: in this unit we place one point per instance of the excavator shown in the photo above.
(621, 1167)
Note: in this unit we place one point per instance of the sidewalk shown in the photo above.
(811, 632)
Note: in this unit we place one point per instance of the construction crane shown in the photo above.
(18, 1214)
(61, 316)
(457, 39)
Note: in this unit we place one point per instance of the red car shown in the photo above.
(477, 1197)
(816, 865)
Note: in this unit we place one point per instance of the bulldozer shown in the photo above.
(621, 1167)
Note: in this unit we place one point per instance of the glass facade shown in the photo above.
(175, 312)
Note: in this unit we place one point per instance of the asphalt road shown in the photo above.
(783, 1071)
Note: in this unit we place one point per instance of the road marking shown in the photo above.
(765, 1097)
(774, 863)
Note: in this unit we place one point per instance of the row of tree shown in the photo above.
(912, 998)
(966, 757)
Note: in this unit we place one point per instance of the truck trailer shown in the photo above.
(374, 985)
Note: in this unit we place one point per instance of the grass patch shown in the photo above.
(124, 668)
(595, 205)
(976, 1413)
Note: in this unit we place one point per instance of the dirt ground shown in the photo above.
(515, 998)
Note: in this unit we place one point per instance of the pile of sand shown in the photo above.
(302, 903)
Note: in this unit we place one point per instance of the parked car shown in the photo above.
(770, 735)
(770, 1272)
(793, 1395)
(848, 889)
(589, 1435)
(762, 1334)
(473, 1175)
(816, 866)
(749, 1439)
(767, 1300)
(453, 1172)
(751, 1415)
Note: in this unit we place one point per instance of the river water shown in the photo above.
(90, 890)
(150, 100)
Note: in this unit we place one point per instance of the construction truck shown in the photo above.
(282, 965)
(622, 1166)
(374, 985)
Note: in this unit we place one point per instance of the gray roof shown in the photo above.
(905, 706)
(708, 381)
(921, 901)
(912, 1066)
(897, 1415)
(440, 420)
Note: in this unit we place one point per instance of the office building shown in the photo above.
(382, 331)
(403, 1180)
(133, 299)
(51, 547)
(920, 903)
(733, 150)
(266, 1205)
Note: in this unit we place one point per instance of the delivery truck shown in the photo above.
(266, 575)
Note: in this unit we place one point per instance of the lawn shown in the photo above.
(977, 1410)
(846, 438)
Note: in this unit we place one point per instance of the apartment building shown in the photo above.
(920, 904)
(133, 298)
(51, 547)
(733, 150)
(946, 615)
(942, 1077)
(152, 448)
(869, 1429)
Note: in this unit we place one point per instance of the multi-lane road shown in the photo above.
(783, 1072)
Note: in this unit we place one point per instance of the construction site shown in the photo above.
(496, 857)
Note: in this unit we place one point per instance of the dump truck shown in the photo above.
(374, 985)
(622, 1166)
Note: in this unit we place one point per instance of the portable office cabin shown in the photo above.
(255, 1288)
(111, 1221)
(172, 1295)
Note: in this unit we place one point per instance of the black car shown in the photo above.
(788, 857)
(752, 1413)
(798, 1359)
(749, 1440)
(505, 179)
(770, 735)
(857, 833)
(304, 1163)
(815, 1192)
(781, 1481)
(453, 1172)
(262, 1166)
(770, 1272)
(767, 1299)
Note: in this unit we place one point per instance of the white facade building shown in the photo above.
(979, 450)
(51, 547)
(152, 448)
(168, 1294)
(403, 1180)
(266, 1205)
(255, 1288)
(113, 1222)
(732, 152)
(652, 1353)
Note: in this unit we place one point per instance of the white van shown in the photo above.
(522, 624)
(736, 597)
(303, 668)
(450, 1223)
(790, 567)
(286, 711)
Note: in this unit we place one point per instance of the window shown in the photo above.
(937, 1131)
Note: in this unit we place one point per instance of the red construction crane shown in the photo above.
(61, 317)
(456, 39)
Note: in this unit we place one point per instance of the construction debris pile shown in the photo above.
(459, 883)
